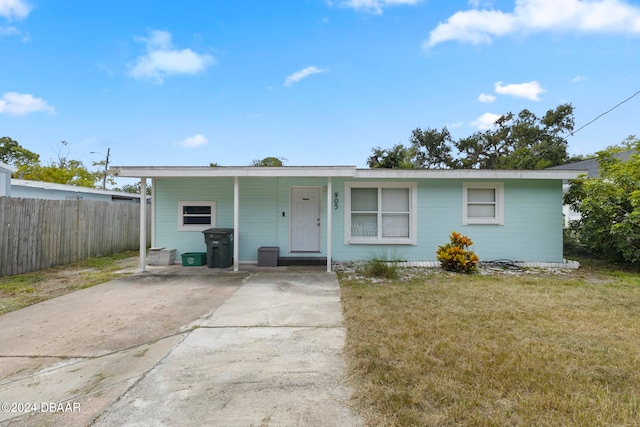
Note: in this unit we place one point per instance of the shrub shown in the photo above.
(383, 265)
(455, 255)
(381, 269)
(610, 205)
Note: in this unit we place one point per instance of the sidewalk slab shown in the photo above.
(271, 376)
(292, 299)
(88, 384)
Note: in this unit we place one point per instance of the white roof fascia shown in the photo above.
(7, 167)
(336, 171)
(229, 171)
(468, 173)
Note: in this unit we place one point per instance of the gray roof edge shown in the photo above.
(334, 171)
(63, 187)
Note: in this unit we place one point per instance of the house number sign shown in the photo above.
(335, 200)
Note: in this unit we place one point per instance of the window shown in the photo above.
(196, 216)
(380, 213)
(483, 203)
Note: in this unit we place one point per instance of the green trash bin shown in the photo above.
(219, 247)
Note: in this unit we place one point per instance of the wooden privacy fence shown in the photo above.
(39, 233)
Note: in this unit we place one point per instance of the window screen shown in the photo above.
(380, 213)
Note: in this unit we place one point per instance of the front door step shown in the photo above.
(301, 261)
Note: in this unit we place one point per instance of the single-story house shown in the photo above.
(342, 213)
(5, 179)
(589, 167)
(27, 189)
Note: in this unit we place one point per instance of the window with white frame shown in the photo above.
(380, 212)
(196, 216)
(483, 203)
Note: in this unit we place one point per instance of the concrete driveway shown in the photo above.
(180, 346)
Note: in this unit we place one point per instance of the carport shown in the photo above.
(152, 173)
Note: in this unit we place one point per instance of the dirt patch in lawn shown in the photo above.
(23, 290)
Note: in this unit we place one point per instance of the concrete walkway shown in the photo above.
(267, 352)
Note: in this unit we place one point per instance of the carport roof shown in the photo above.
(334, 171)
(6, 167)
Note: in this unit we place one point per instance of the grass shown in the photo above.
(23, 290)
(381, 269)
(383, 264)
(439, 349)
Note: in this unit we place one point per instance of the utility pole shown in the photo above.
(106, 166)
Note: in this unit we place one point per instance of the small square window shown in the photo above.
(196, 216)
(483, 203)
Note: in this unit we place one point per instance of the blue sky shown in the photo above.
(319, 82)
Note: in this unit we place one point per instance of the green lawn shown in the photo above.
(438, 349)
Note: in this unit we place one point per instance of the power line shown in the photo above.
(608, 111)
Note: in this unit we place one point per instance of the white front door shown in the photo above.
(305, 219)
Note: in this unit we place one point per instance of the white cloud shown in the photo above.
(21, 104)
(194, 141)
(581, 16)
(485, 121)
(530, 90)
(162, 60)
(157, 40)
(375, 6)
(14, 31)
(9, 31)
(486, 98)
(477, 3)
(578, 78)
(299, 75)
(455, 125)
(14, 9)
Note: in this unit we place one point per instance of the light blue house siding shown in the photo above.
(531, 231)
(263, 214)
(167, 194)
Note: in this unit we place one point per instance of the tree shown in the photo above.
(73, 172)
(63, 171)
(133, 188)
(269, 162)
(431, 149)
(522, 141)
(106, 178)
(266, 162)
(14, 154)
(610, 205)
(396, 157)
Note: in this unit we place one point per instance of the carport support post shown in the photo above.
(143, 224)
(236, 221)
(329, 198)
